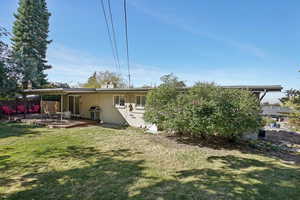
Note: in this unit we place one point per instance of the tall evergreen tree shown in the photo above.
(8, 77)
(30, 41)
(3, 69)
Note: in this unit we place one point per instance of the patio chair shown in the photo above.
(21, 109)
(8, 111)
(46, 112)
(35, 109)
(67, 115)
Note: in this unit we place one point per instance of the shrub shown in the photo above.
(266, 121)
(205, 110)
(158, 101)
(294, 116)
(192, 112)
(238, 112)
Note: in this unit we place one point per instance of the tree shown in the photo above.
(147, 86)
(204, 110)
(171, 79)
(30, 41)
(159, 99)
(3, 66)
(92, 82)
(292, 100)
(8, 82)
(101, 78)
(57, 85)
(290, 95)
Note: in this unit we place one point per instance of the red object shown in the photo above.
(7, 110)
(35, 109)
(21, 109)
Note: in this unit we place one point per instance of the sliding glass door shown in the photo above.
(74, 105)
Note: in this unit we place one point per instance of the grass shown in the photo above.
(104, 163)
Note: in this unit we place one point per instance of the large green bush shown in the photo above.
(157, 104)
(204, 110)
(159, 100)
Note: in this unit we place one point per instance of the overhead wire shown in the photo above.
(114, 35)
(126, 38)
(109, 35)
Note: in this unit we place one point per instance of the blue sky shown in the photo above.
(226, 41)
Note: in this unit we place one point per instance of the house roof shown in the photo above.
(83, 90)
(255, 88)
(258, 88)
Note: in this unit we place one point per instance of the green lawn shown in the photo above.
(103, 163)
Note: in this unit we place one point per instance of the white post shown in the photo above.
(61, 106)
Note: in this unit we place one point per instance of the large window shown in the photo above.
(119, 101)
(140, 101)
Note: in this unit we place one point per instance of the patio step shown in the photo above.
(134, 119)
(65, 124)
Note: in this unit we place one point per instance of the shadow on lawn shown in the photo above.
(111, 175)
(242, 146)
(235, 180)
(103, 175)
(9, 129)
(114, 126)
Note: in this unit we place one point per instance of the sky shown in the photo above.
(229, 42)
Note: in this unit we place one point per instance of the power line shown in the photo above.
(109, 34)
(126, 34)
(113, 34)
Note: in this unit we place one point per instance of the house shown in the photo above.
(116, 105)
(279, 113)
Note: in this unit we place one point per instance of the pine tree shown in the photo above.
(8, 77)
(3, 70)
(30, 41)
(3, 49)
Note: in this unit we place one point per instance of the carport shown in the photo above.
(259, 90)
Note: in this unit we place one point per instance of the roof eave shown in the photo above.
(59, 91)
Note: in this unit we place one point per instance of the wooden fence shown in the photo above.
(51, 107)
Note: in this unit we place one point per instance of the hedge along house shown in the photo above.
(116, 105)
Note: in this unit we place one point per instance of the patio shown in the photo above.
(52, 122)
(65, 123)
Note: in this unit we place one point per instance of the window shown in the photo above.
(119, 101)
(140, 101)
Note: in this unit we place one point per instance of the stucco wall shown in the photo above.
(86, 101)
(109, 114)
